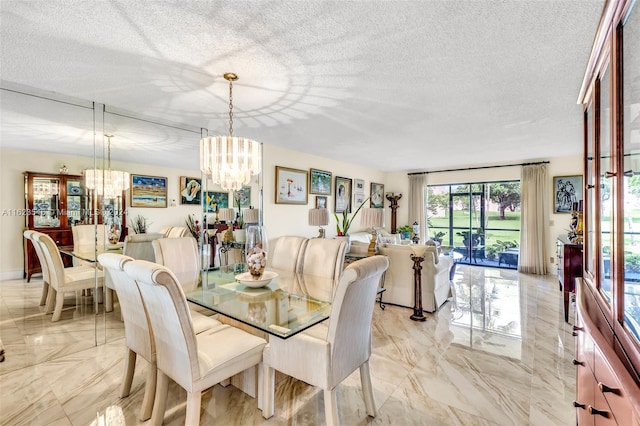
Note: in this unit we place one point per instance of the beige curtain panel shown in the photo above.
(534, 207)
(417, 203)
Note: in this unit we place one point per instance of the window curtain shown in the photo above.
(417, 203)
(534, 221)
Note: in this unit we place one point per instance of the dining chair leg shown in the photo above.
(268, 390)
(108, 299)
(367, 389)
(331, 407)
(57, 311)
(51, 300)
(193, 408)
(160, 401)
(45, 291)
(129, 369)
(149, 392)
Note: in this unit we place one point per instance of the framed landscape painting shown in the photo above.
(343, 194)
(567, 193)
(190, 190)
(148, 191)
(377, 196)
(320, 182)
(291, 186)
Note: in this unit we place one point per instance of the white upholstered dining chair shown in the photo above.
(320, 267)
(63, 279)
(28, 234)
(139, 246)
(138, 332)
(182, 257)
(194, 361)
(326, 354)
(285, 252)
(87, 237)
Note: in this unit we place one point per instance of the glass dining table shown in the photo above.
(288, 304)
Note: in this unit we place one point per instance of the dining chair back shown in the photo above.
(28, 234)
(285, 252)
(325, 355)
(86, 238)
(194, 361)
(138, 246)
(181, 256)
(63, 279)
(323, 258)
(178, 232)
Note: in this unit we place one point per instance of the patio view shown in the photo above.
(479, 222)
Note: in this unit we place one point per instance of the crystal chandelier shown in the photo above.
(107, 182)
(230, 160)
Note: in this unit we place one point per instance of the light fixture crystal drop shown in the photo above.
(107, 182)
(230, 161)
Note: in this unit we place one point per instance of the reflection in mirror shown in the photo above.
(49, 134)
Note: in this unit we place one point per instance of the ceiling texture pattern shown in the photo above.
(395, 85)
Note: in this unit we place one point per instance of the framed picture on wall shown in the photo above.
(320, 182)
(215, 200)
(244, 196)
(148, 191)
(377, 196)
(567, 193)
(343, 194)
(291, 186)
(321, 202)
(190, 190)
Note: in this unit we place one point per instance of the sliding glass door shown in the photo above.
(480, 222)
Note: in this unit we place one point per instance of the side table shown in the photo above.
(227, 246)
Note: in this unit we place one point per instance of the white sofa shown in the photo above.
(436, 286)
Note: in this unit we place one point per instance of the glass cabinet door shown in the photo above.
(76, 202)
(631, 188)
(46, 202)
(605, 184)
(590, 207)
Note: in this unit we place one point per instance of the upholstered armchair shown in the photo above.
(399, 285)
(326, 354)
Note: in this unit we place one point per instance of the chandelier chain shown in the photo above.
(230, 107)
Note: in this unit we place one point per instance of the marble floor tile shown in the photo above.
(499, 353)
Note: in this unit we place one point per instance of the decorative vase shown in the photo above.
(240, 235)
(113, 233)
(256, 250)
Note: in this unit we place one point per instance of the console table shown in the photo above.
(569, 260)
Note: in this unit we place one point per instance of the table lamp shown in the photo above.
(319, 217)
(227, 215)
(251, 216)
(417, 255)
(372, 218)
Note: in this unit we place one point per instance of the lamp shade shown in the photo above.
(372, 218)
(227, 214)
(418, 249)
(251, 215)
(318, 217)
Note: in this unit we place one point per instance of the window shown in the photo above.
(479, 221)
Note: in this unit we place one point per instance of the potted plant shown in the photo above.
(239, 228)
(471, 238)
(437, 237)
(405, 231)
(194, 226)
(139, 224)
(343, 224)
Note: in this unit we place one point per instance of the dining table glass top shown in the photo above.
(287, 305)
(90, 254)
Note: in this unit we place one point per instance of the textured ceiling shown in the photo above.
(393, 85)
